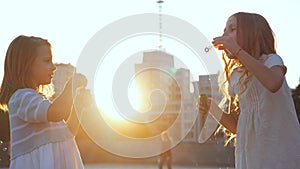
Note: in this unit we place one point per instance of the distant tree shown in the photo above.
(296, 98)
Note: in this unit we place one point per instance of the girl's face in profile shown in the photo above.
(231, 28)
(42, 69)
(231, 31)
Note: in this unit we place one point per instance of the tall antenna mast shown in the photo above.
(160, 23)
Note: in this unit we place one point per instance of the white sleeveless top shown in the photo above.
(268, 131)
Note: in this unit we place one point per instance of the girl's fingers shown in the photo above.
(201, 108)
(80, 80)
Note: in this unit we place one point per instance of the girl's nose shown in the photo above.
(53, 67)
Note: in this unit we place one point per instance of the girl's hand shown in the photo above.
(61, 106)
(84, 97)
(203, 104)
(77, 81)
(228, 44)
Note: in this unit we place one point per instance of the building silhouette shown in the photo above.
(158, 72)
(173, 103)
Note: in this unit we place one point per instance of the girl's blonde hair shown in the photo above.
(20, 55)
(255, 36)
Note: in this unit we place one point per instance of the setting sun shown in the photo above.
(112, 113)
(137, 99)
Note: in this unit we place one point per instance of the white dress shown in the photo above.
(35, 142)
(268, 131)
(58, 155)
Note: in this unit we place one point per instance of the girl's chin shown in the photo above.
(47, 82)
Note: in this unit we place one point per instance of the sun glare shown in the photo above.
(125, 125)
(136, 98)
(111, 113)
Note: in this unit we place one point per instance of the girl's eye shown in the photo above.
(48, 59)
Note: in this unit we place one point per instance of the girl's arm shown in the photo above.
(271, 78)
(60, 108)
(226, 120)
(73, 122)
(83, 101)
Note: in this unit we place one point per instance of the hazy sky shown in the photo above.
(69, 24)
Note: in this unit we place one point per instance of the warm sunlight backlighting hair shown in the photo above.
(20, 55)
(255, 37)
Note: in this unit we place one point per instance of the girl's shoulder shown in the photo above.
(24, 90)
(21, 92)
(271, 59)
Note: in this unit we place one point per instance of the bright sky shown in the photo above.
(69, 24)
